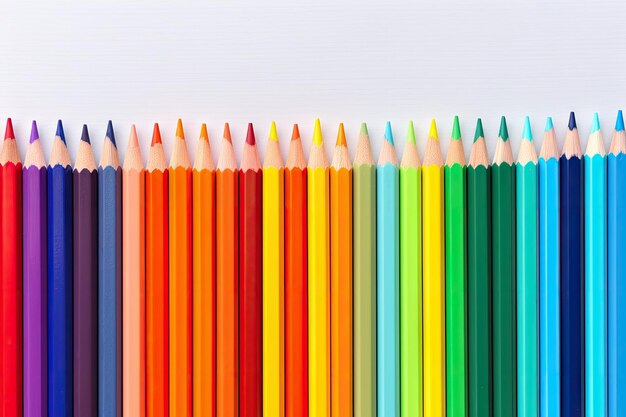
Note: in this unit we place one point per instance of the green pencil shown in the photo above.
(456, 275)
(364, 222)
(504, 295)
(411, 398)
(479, 278)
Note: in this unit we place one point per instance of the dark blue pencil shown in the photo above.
(109, 280)
(572, 275)
(60, 279)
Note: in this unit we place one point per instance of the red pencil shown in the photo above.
(250, 280)
(10, 277)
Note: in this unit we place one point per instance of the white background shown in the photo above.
(290, 61)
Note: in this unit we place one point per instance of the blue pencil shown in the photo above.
(617, 271)
(109, 280)
(388, 279)
(572, 281)
(60, 341)
(549, 337)
(595, 273)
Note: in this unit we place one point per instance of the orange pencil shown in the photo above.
(204, 279)
(181, 278)
(341, 278)
(227, 210)
(157, 339)
(133, 284)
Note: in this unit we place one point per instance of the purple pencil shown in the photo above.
(35, 278)
(85, 177)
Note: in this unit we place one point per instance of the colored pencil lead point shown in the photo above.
(595, 126)
(388, 133)
(341, 136)
(156, 135)
(410, 134)
(60, 132)
(364, 131)
(456, 129)
(317, 133)
(85, 134)
(572, 121)
(133, 142)
(479, 130)
(432, 132)
(250, 139)
(204, 135)
(619, 123)
(549, 125)
(227, 132)
(504, 131)
(273, 134)
(34, 133)
(180, 133)
(8, 133)
(110, 133)
(295, 134)
(527, 132)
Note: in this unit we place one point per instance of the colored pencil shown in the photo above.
(109, 279)
(527, 276)
(203, 178)
(85, 209)
(319, 277)
(250, 280)
(616, 270)
(549, 293)
(60, 295)
(456, 275)
(227, 210)
(10, 277)
(595, 274)
(479, 323)
(433, 218)
(341, 278)
(296, 305)
(180, 345)
(411, 361)
(273, 279)
(364, 260)
(134, 280)
(572, 267)
(388, 279)
(35, 205)
(157, 282)
(503, 293)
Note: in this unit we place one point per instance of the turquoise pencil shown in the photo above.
(527, 277)
(388, 279)
(595, 274)
(549, 288)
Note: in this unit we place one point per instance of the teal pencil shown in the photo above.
(527, 277)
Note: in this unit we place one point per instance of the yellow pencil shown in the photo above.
(273, 280)
(318, 192)
(434, 278)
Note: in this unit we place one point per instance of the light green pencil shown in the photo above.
(364, 263)
(411, 398)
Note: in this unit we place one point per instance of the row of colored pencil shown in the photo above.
(289, 289)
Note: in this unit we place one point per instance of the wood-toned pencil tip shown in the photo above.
(8, 133)
(180, 133)
(156, 135)
(133, 142)
(227, 132)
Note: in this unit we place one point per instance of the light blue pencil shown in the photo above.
(388, 279)
(595, 274)
(549, 338)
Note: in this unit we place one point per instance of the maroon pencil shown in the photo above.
(85, 178)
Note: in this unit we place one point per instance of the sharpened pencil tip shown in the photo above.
(8, 133)
(156, 135)
(273, 134)
(295, 133)
(527, 132)
(317, 133)
(133, 142)
(250, 138)
(432, 132)
(504, 130)
(595, 125)
(226, 134)
(456, 129)
(60, 132)
(364, 131)
(410, 134)
(111, 134)
(479, 130)
(85, 135)
(572, 121)
(388, 133)
(619, 123)
(34, 132)
(180, 133)
(549, 125)
(341, 136)
(204, 135)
